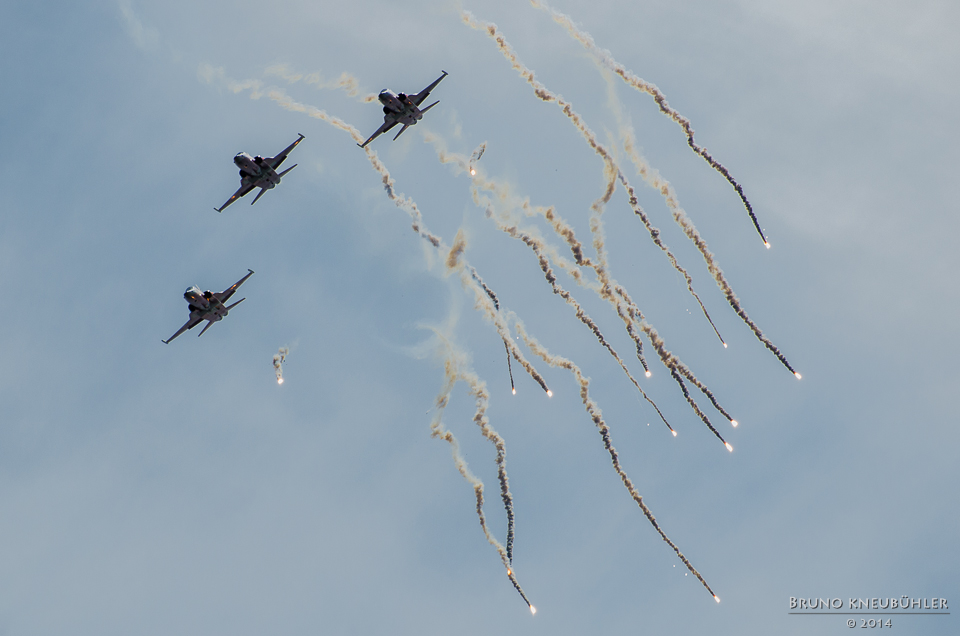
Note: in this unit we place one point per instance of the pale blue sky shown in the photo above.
(152, 489)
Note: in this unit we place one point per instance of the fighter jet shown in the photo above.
(402, 109)
(259, 172)
(208, 306)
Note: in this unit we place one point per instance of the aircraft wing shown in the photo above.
(382, 129)
(225, 295)
(244, 189)
(422, 95)
(276, 161)
(190, 324)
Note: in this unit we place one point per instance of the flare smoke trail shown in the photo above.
(536, 245)
(278, 359)
(606, 58)
(545, 95)
(452, 373)
(211, 74)
(656, 181)
(475, 157)
(595, 414)
(496, 303)
(630, 314)
(686, 224)
(346, 82)
(454, 261)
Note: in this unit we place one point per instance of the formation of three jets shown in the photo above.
(261, 172)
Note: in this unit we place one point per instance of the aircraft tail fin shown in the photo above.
(205, 328)
(236, 303)
(423, 110)
(259, 194)
(288, 170)
(405, 126)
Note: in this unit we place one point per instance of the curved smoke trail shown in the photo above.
(604, 57)
(610, 165)
(609, 290)
(595, 414)
(453, 371)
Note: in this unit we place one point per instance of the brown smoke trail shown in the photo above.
(595, 414)
(453, 371)
(655, 235)
(686, 224)
(672, 362)
(610, 165)
(496, 303)
(624, 305)
(544, 94)
(536, 245)
(210, 74)
(278, 359)
(606, 58)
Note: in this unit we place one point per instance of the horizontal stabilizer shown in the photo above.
(423, 110)
(259, 194)
(205, 328)
(236, 303)
(288, 170)
(405, 126)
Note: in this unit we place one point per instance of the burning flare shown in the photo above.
(278, 359)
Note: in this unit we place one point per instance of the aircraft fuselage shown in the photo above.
(399, 108)
(256, 172)
(204, 305)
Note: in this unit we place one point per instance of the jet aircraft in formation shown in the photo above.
(402, 109)
(210, 306)
(259, 172)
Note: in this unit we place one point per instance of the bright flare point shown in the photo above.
(549, 394)
(767, 243)
(674, 433)
(472, 172)
(724, 345)
(279, 380)
(798, 375)
(729, 448)
(514, 391)
(533, 610)
(734, 422)
(716, 598)
(649, 374)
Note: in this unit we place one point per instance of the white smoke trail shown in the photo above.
(345, 82)
(481, 301)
